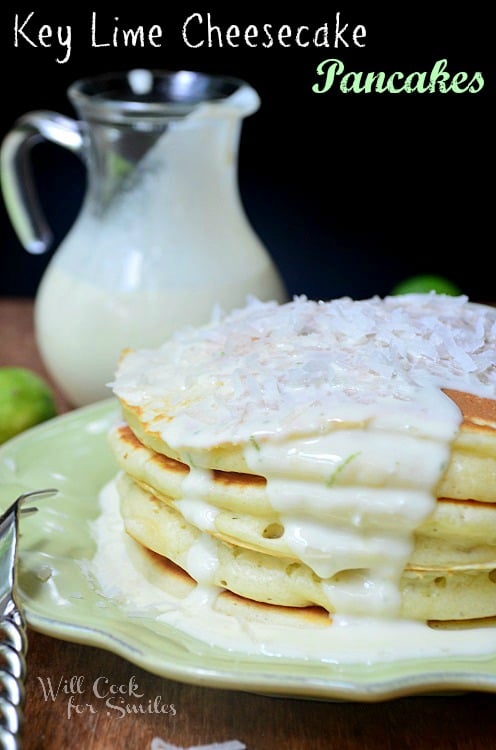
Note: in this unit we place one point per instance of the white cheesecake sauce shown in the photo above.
(364, 530)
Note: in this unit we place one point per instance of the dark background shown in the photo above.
(350, 193)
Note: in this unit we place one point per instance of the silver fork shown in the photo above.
(13, 638)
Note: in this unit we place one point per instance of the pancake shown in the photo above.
(237, 491)
(456, 533)
(467, 591)
(165, 575)
(470, 473)
(339, 455)
(172, 579)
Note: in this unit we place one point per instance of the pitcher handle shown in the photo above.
(17, 183)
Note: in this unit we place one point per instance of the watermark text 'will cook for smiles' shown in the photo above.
(115, 699)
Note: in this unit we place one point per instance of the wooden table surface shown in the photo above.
(203, 715)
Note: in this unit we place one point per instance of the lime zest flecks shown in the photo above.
(337, 471)
(254, 443)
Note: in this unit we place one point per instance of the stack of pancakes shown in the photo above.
(311, 492)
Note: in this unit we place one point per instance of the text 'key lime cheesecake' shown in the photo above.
(314, 458)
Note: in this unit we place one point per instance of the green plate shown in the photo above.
(71, 453)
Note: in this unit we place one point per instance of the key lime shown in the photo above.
(25, 400)
(424, 283)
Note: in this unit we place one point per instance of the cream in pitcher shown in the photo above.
(161, 238)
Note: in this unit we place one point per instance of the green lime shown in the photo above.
(25, 400)
(424, 283)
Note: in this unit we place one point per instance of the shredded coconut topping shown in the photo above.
(281, 369)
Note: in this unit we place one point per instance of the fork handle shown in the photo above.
(13, 647)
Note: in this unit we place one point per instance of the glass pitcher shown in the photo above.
(161, 238)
